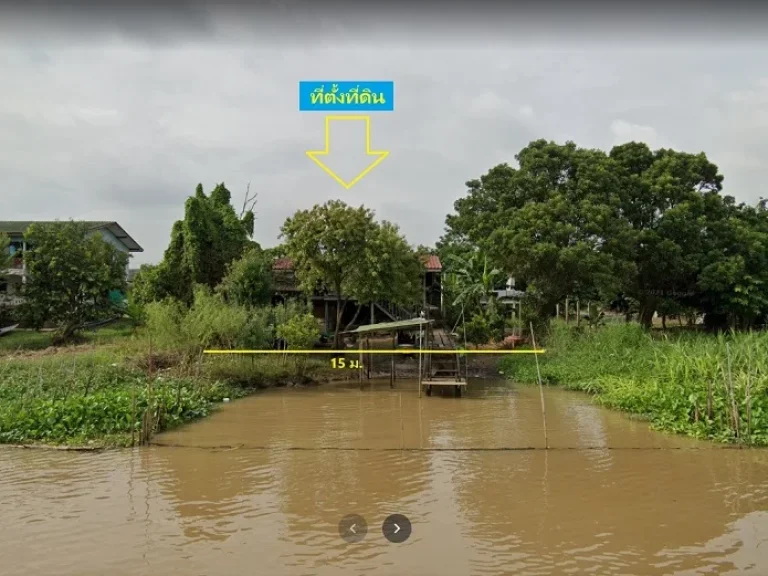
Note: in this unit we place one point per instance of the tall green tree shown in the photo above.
(71, 271)
(389, 270)
(554, 222)
(732, 284)
(346, 251)
(668, 200)
(325, 244)
(204, 243)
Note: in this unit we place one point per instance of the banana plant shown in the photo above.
(475, 281)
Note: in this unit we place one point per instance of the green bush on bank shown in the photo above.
(81, 395)
(705, 386)
(56, 402)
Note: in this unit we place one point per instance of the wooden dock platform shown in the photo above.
(444, 382)
(457, 385)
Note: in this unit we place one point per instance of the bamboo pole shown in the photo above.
(392, 362)
(466, 359)
(578, 312)
(541, 390)
(729, 387)
(359, 368)
(369, 360)
(749, 395)
(421, 429)
(133, 415)
(420, 353)
(402, 440)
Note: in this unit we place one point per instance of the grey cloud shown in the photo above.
(337, 22)
(123, 126)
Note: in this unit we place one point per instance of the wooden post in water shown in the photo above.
(400, 400)
(420, 351)
(370, 358)
(541, 390)
(360, 367)
(392, 361)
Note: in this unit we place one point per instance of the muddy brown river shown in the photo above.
(260, 487)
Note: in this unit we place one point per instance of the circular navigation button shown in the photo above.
(353, 528)
(396, 528)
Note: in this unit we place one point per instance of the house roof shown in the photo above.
(282, 264)
(431, 263)
(20, 226)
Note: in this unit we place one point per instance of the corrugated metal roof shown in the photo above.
(391, 326)
(431, 263)
(20, 227)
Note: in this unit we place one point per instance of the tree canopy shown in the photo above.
(652, 227)
(71, 271)
(345, 250)
(249, 280)
(203, 244)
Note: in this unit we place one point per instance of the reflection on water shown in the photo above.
(260, 487)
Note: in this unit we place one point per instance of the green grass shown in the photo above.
(681, 383)
(83, 395)
(30, 340)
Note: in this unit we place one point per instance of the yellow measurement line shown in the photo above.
(356, 351)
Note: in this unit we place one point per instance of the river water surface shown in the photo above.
(260, 488)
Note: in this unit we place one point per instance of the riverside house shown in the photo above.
(11, 280)
(324, 301)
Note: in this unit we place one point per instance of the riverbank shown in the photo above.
(109, 392)
(701, 385)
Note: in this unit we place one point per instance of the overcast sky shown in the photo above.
(117, 115)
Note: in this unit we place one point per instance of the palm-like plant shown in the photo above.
(475, 279)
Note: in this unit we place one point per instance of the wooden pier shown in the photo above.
(443, 369)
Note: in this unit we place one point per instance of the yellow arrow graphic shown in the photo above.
(316, 155)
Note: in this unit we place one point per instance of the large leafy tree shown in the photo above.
(651, 227)
(389, 270)
(71, 271)
(733, 281)
(325, 244)
(669, 200)
(554, 222)
(345, 250)
(203, 244)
